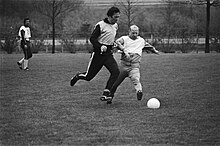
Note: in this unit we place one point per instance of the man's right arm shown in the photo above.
(94, 39)
(22, 36)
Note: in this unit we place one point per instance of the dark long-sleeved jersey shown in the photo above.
(103, 34)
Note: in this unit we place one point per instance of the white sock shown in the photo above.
(21, 61)
(25, 63)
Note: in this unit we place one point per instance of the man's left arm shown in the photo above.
(151, 48)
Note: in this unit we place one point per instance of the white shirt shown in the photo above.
(27, 34)
(133, 46)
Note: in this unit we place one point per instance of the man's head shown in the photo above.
(26, 22)
(113, 15)
(133, 32)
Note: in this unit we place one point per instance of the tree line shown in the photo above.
(69, 20)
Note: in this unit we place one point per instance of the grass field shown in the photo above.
(38, 107)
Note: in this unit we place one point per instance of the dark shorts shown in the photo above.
(27, 51)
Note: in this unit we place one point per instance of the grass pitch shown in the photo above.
(38, 107)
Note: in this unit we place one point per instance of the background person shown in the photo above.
(25, 34)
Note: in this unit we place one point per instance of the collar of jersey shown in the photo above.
(106, 21)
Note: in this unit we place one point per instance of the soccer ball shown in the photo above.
(153, 103)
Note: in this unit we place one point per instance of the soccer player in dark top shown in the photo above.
(25, 34)
(102, 39)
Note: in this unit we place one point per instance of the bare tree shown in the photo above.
(129, 8)
(169, 20)
(209, 4)
(54, 9)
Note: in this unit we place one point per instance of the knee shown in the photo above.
(117, 72)
(135, 80)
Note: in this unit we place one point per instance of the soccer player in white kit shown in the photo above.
(131, 47)
(25, 34)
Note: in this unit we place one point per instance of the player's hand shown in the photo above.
(103, 49)
(114, 50)
(157, 52)
(153, 50)
(25, 46)
(127, 55)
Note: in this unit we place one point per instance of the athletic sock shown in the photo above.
(25, 63)
(21, 61)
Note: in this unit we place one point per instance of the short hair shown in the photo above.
(112, 11)
(25, 19)
(132, 27)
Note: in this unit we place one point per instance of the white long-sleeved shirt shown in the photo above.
(27, 34)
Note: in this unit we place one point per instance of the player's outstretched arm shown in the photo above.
(155, 51)
(151, 48)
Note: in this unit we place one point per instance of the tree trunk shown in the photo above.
(53, 28)
(207, 50)
(53, 35)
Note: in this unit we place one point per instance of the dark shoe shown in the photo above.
(139, 95)
(110, 98)
(74, 79)
(109, 101)
(105, 95)
(19, 65)
(26, 68)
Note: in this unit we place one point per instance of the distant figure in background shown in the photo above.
(25, 34)
(102, 39)
(131, 47)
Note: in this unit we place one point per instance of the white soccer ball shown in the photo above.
(153, 103)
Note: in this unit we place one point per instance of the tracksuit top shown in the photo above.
(103, 34)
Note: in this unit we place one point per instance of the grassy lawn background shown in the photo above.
(38, 107)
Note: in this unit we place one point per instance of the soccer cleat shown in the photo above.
(19, 65)
(109, 101)
(105, 95)
(139, 95)
(106, 98)
(74, 79)
(26, 68)
(110, 98)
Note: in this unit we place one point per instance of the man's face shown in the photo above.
(114, 18)
(134, 33)
(27, 23)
